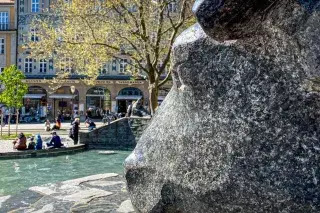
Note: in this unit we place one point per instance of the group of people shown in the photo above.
(56, 126)
(36, 143)
(20, 143)
(74, 130)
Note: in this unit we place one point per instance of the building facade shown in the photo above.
(8, 33)
(113, 90)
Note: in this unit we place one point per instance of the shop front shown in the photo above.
(34, 105)
(64, 103)
(98, 99)
(126, 96)
(162, 93)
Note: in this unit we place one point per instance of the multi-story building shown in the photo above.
(113, 89)
(8, 33)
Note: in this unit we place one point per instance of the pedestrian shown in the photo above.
(55, 141)
(7, 116)
(90, 124)
(129, 110)
(38, 142)
(47, 125)
(20, 143)
(75, 130)
(31, 144)
(57, 125)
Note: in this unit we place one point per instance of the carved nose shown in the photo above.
(134, 160)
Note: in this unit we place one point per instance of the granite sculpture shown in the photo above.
(239, 130)
(138, 109)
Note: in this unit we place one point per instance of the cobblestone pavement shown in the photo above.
(97, 193)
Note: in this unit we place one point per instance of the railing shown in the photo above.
(7, 26)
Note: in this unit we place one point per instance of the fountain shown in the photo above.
(239, 131)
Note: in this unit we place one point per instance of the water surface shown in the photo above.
(19, 174)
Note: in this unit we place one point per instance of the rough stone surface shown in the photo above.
(239, 131)
(121, 134)
(97, 193)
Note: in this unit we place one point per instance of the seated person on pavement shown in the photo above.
(90, 124)
(55, 141)
(20, 143)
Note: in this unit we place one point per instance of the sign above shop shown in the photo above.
(39, 81)
(129, 82)
(104, 82)
(44, 81)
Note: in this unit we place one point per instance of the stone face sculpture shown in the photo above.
(239, 131)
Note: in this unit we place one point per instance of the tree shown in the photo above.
(14, 90)
(82, 36)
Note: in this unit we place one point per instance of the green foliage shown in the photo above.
(9, 137)
(83, 36)
(12, 95)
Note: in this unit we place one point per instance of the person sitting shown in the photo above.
(38, 142)
(55, 141)
(20, 143)
(47, 125)
(32, 144)
(90, 124)
(57, 126)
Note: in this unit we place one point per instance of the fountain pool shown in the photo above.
(17, 175)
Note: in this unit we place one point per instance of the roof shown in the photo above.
(106, 77)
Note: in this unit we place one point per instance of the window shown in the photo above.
(172, 7)
(69, 65)
(2, 46)
(1, 69)
(114, 65)
(34, 35)
(28, 65)
(66, 65)
(35, 6)
(123, 65)
(104, 69)
(43, 66)
(4, 21)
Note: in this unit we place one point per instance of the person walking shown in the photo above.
(7, 113)
(75, 130)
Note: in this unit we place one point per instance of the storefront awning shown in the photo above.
(62, 96)
(128, 97)
(34, 96)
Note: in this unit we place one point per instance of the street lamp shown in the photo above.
(73, 89)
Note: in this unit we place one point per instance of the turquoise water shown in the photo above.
(19, 174)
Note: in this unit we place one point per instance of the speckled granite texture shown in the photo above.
(239, 131)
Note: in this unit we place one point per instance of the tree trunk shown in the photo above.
(153, 98)
(17, 122)
(153, 91)
(9, 124)
(1, 122)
